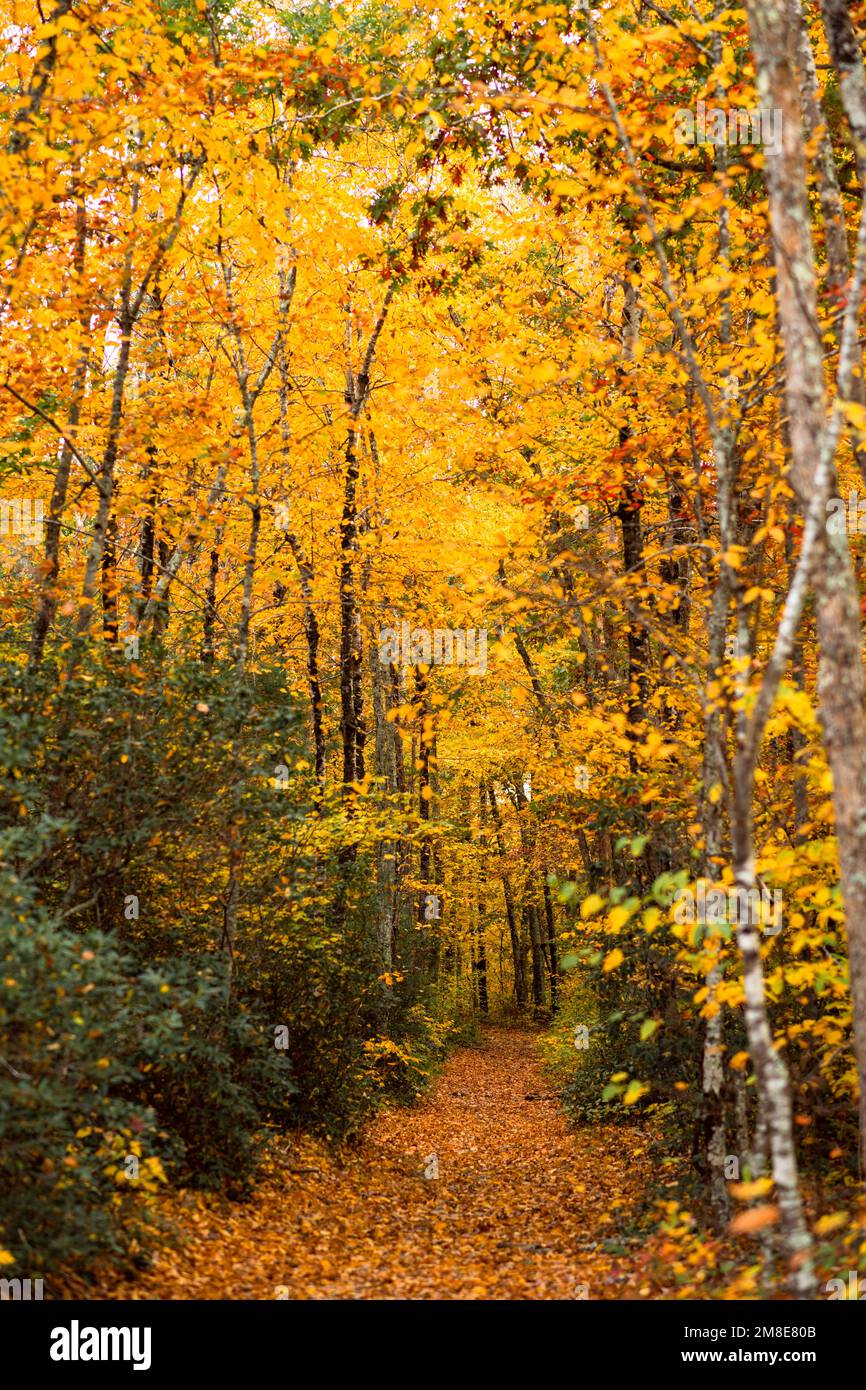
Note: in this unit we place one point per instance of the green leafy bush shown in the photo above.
(65, 1126)
(112, 1075)
(136, 1023)
(210, 1072)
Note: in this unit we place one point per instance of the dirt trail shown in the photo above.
(519, 1210)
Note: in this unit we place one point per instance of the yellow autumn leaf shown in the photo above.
(834, 1221)
(747, 1191)
(634, 1091)
(591, 905)
(651, 918)
(617, 917)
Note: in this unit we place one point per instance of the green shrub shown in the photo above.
(65, 1130)
(210, 1072)
(130, 800)
(402, 1065)
(108, 1072)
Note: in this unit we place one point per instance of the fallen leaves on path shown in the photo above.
(520, 1209)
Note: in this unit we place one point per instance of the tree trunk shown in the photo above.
(47, 604)
(841, 687)
(517, 955)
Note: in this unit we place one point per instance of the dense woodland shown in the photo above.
(432, 481)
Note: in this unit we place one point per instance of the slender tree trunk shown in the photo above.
(552, 948)
(147, 554)
(841, 687)
(47, 603)
(517, 955)
(827, 177)
(306, 574)
(530, 914)
(771, 1072)
(481, 960)
(848, 62)
(348, 616)
(713, 784)
(425, 795)
(385, 772)
(529, 908)
(815, 121)
(130, 308)
(101, 537)
(629, 513)
(357, 394)
(314, 684)
(110, 584)
(209, 617)
(40, 80)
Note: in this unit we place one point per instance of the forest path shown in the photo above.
(519, 1210)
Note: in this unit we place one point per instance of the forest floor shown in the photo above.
(522, 1208)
